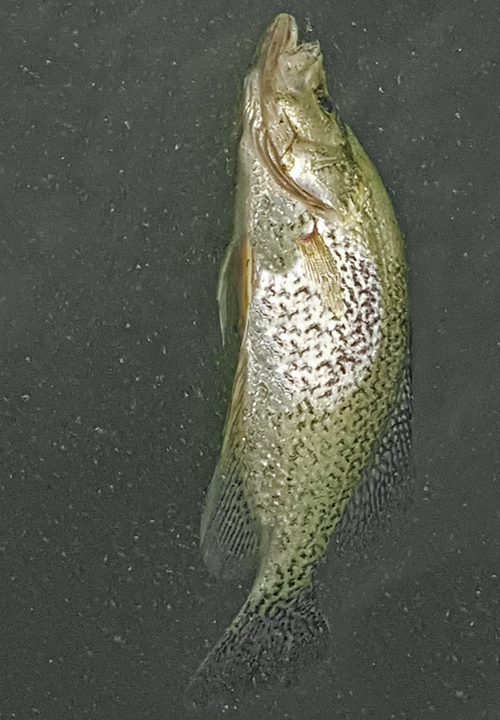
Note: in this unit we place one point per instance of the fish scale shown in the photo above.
(317, 439)
(335, 351)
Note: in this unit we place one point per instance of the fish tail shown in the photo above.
(258, 648)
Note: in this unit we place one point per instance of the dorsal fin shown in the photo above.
(386, 480)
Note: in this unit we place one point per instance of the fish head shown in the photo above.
(290, 87)
(289, 125)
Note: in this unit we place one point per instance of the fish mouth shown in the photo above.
(282, 38)
(284, 66)
(285, 70)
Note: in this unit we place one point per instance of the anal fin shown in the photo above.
(229, 533)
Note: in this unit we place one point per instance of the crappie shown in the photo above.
(317, 437)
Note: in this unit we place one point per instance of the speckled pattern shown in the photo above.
(321, 402)
(315, 354)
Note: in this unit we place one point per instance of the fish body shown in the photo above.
(317, 437)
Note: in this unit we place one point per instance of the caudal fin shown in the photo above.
(258, 648)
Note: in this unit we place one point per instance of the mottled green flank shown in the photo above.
(317, 439)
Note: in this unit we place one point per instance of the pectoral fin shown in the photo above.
(319, 266)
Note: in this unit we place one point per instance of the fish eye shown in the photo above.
(326, 103)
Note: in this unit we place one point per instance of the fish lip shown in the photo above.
(279, 59)
(281, 36)
(281, 39)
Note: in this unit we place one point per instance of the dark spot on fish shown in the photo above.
(326, 103)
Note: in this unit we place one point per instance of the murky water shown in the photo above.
(115, 207)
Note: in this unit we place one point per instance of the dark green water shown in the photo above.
(115, 208)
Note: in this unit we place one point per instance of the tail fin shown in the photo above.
(259, 648)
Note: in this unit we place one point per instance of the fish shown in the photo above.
(317, 439)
